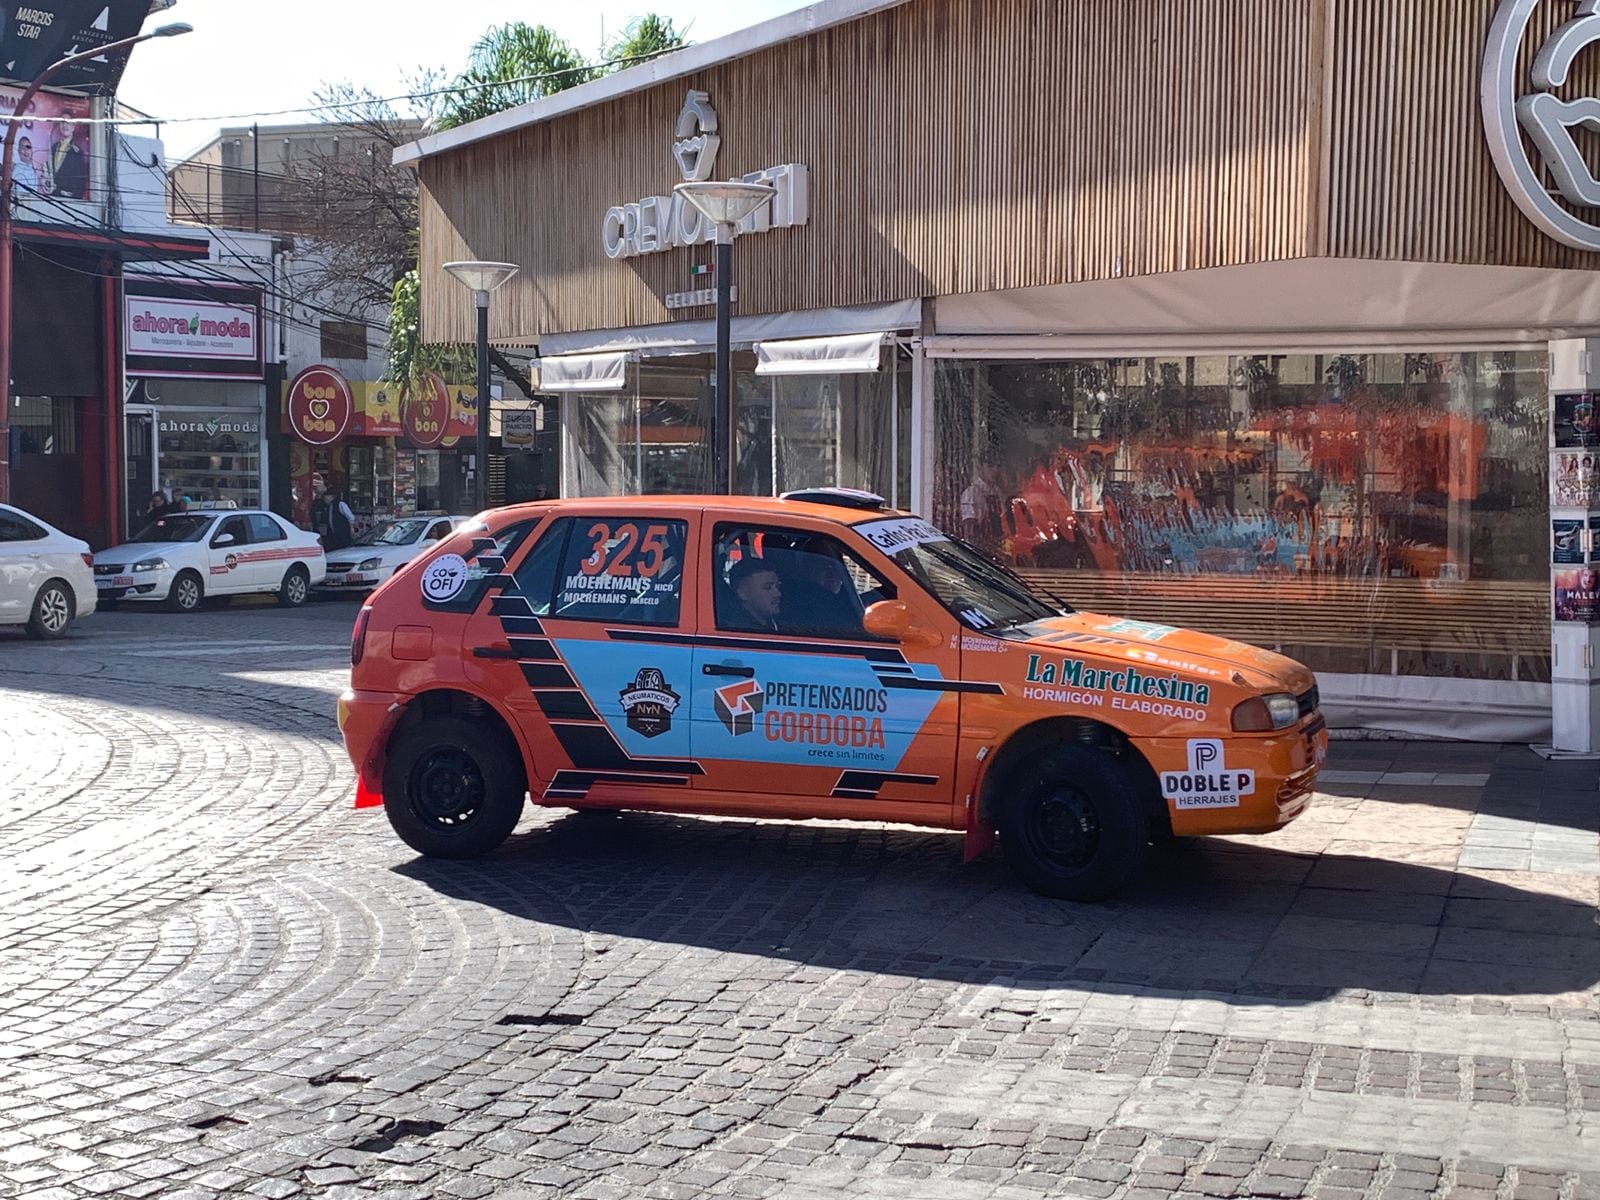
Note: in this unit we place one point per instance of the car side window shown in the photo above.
(439, 531)
(622, 570)
(264, 529)
(238, 527)
(791, 581)
(536, 577)
(18, 529)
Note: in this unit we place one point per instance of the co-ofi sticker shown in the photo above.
(1550, 123)
(444, 578)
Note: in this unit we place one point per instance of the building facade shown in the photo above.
(1236, 315)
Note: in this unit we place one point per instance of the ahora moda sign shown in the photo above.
(1532, 131)
(173, 329)
(655, 224)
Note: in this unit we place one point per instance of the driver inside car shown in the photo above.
(818, 595)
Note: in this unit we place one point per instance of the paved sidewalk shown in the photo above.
(216, 979)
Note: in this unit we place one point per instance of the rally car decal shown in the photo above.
(865, 785)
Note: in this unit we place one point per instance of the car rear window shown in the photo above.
(621, 570)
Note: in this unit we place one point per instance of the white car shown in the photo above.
(181, 559)
(375, 556)
(46, 577)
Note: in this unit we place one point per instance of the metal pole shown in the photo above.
(481, 477)
(725, 460)
(255, 148)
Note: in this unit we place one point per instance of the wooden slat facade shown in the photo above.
(967, 145)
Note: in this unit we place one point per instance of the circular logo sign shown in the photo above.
(1532, 131)
(426, 415)
(444, 578)
(320, 406)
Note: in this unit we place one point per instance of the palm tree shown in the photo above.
(511, 64)
(643, 38)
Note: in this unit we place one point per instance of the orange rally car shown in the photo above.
(815, 656)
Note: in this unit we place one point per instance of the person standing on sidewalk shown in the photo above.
(332, 519)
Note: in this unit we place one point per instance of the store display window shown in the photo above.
(211, 456)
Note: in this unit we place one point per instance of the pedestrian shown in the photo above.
(158, 507)
(332, 519)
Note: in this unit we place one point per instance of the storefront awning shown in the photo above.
(582, 373)
(701, 336)
(854, 354)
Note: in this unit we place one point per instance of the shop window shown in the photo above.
(1364, 513)
(622, 570)
(344, 339)
(791, 582)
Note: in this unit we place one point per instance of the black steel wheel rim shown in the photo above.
(447, 788)
(1062, 827)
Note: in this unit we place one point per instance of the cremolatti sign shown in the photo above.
(656, 224)
(1533, 132)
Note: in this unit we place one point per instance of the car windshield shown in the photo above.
(394, 533)
(180, 528)
(982, 595)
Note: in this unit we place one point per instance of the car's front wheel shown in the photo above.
(1072, 826)
(186, 593)
(452, 788)
(295, 589)
(52, 611)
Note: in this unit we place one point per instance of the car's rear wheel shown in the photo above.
(186, 593)
(295, 589)
(452, 788)
(52, 611)
(1073, 827)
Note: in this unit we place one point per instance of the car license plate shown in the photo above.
(117, 581)
(333, 580)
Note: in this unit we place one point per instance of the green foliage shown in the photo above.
(643, 38)
(512, 64)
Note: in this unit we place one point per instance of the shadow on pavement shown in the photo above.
(1214, 915)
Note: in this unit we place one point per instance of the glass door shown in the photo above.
(139, 468)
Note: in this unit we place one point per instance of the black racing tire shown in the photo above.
(187, 593)
(53, 610)
(1072, 826)
(295, 589)
(452, 788)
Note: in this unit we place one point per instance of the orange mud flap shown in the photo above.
(366, 796)
(980, 837)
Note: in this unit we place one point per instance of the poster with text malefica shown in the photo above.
(1577, 596)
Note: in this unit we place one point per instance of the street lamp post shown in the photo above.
(482, 279)
(8, 225)
(725, 203)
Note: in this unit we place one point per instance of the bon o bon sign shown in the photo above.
(320, 406)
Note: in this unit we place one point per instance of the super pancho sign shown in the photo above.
(320, 406)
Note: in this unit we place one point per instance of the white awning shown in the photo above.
(583, 373)
(853, 354)
(701, 336)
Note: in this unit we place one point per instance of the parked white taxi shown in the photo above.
(379, 553)
(181, 559)
(46, 578)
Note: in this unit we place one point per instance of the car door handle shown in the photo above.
(728, 669)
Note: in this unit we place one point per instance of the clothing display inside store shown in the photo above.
(1364, 513)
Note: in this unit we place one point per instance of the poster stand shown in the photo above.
(1574, 549)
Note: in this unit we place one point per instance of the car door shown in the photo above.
(598, 631)
(270, 553)
(22, 546)
(791, 696)
(228, 548)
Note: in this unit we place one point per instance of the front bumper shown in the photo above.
(1283, 771)
(353, 581)
(134, 585)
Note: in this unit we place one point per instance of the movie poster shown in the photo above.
(1594, 539)
(52, 150)
(1575, 478)
(1577, 596)
(1576, 425)
(1566, 542)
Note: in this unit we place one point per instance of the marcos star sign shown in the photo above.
(1550, 123)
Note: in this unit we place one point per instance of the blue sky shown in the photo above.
(254, 57)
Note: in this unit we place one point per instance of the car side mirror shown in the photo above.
(895, 621)
(222, 539)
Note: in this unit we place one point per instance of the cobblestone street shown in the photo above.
(217, 978)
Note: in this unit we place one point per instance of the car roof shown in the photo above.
(768, 507)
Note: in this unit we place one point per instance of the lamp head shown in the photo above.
(481, 278)
(173, 30)
(726, 202)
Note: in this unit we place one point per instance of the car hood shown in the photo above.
(384, 554)
(1187, 652)
(132, 552)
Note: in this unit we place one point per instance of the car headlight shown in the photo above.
(1263, 714)
(151, 564)
(370, 564)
